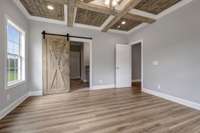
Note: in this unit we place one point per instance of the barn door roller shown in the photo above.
(44, 33)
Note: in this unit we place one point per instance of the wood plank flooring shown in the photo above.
(76, 84)
(101, 111)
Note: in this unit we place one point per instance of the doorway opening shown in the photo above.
(136, 66)
(79, 65)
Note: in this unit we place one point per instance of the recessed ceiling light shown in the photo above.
(123, 22)
(107, 2)
(114, 3)
(50, 7)
(118, 26)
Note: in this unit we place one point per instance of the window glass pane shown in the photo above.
(13, 68)
(13, 36)
(13, 53)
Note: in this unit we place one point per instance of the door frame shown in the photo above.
(90, 44)
(142, 59)
(44, 61)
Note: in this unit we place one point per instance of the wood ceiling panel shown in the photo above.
(130, 24)
(90, 17)
(39, 8)
(156, 6)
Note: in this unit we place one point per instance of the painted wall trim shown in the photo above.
(36, 93)
(97, 87)
(178, 100)
(13, 105)
(17, 102)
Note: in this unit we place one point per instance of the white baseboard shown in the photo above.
(136, 80)
(17, 102)
(96, 87)
(12, 106)
(173, 98)
(35, 93)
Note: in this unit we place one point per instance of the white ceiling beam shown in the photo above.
(71, 12)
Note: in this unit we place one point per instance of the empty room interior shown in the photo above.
(99, 66)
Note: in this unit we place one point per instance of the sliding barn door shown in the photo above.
(56, 75)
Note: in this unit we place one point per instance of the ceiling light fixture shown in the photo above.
(50, 7)
(123, 22)
(118, 26)
(114, 3)
(107, 2)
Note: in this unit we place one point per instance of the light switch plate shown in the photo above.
(159, 86)
(155, 63)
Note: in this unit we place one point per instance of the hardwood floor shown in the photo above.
(76, 84)
(101, 111)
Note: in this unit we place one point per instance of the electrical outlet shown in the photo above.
(101, 81)
(155, 63)
(8, 97)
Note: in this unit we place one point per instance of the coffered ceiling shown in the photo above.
(39, 8)
(99, 14)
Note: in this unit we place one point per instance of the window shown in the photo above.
(15, 54)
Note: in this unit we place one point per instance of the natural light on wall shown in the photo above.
(15, 54)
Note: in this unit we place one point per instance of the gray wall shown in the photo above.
(103, 52)
(173, 41)
(136, 61)
(7, 7)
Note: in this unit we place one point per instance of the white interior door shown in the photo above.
(123, 66)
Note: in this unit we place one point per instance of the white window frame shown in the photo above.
(22, 70)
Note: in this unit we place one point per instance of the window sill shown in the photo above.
(15, 84)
